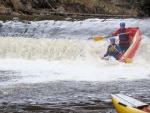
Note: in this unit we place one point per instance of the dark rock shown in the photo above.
(145, 8)
(30, 7)
(1, 25)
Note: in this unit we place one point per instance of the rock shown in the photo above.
(61, 9)
(16, 19)
(1, 24)
(31, 7)
(16, 4)
(145, 8)
(4, 10)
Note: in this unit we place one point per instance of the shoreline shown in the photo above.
(64, 16)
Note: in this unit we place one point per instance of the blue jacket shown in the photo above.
(114, 54)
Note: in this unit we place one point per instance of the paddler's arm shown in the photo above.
(115, 33)
(107, 53)
(119, 49)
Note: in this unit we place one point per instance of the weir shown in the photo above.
(48, 49)
(77, 29)
(61, 40)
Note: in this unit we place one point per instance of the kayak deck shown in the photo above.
(126, 104)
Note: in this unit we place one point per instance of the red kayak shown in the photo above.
(135, 38)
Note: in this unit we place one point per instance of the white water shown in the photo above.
(46, 60)
(70, 29)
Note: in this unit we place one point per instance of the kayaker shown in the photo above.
(113, 49)
(124, 40)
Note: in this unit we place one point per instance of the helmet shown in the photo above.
(122, 24)
(112, 39)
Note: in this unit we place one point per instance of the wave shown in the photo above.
(63, 49)
(67, 59)
(49, 49)
(142, 55)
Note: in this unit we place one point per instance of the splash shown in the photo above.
(142, 56)
(49, 49)
(64, 49)
(45, 60)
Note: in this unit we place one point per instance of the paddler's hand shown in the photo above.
(102, 58)
(121, 53)
(129, 32)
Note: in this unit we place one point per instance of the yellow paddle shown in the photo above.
(128, 60)
(98, 38)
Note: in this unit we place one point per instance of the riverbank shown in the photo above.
(59, 16)
(67, 7)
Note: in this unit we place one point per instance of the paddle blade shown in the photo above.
(128, 60)
(98, 38)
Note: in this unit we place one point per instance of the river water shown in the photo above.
(55, 66)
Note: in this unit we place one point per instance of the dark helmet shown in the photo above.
(112, 39)
(122, 24)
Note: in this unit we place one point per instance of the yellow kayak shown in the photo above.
(126, 104)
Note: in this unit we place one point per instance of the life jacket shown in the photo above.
(123, 37)
(112, 49)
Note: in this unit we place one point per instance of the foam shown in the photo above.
(81, 63)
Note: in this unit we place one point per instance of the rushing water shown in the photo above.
(55, 66)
